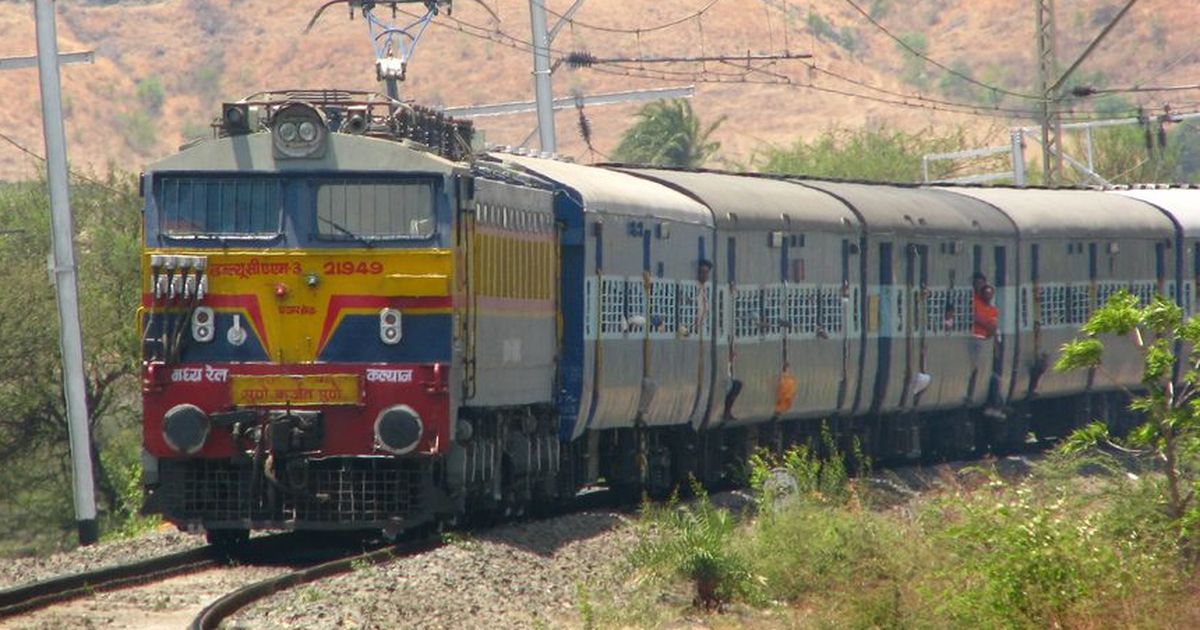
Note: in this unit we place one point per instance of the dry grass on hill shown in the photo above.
(204, 51)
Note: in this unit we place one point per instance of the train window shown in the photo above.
(1144, 291)
(689, 308)
(747, 312)
(374, 209)
(193, 206)
(1106, 290)
(662, 306)
(832, 311)
(802, 310)
(635, 305)
(1080, 304)
(948, 310)
(772, 309)
(1053, 302)
(612, 305)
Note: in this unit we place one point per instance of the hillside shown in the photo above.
(189, 55)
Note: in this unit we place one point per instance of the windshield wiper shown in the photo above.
(345, 232)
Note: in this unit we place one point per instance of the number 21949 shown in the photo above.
(349, 267)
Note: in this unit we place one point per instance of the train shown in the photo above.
(353, 318)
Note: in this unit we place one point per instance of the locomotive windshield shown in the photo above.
(369, 209)
(198, 207)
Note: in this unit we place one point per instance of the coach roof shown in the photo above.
(747, 202)
(1181, 203)
(606, 191)
(920, 211)
(1074, 213)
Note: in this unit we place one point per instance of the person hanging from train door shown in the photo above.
(985, 326)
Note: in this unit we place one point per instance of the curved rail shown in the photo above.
(230, 603)
(24, 598)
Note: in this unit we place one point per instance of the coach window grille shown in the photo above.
(747, 312)
(831, 310)
(635, 305)
(612, 305)
(1081, 306)
(689, 308)
(662, 306)
(802, 309)
(772, 309)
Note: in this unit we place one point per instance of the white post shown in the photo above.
(1018, 157)
(541, 76)
(62, 235)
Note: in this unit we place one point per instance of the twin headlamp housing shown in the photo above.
(298, 131)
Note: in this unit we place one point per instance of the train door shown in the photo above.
(885, 326)
(916, 280)
(851, 293)
(1003, 300)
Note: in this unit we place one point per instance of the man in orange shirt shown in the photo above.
(986, 316)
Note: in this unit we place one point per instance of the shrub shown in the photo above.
(150, 94)
(693, 542)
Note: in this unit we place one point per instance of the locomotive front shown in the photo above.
(296, 317)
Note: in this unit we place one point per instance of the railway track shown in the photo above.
(233, 601)
(267, 550)
(28, 597)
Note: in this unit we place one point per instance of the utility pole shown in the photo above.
(541, 76)
(62, 233)
(1047, 68)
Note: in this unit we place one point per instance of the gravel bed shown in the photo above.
(16, 571)
(517, 576)
(169, 604)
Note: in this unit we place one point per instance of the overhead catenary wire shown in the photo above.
(974, 110)
(641, 29)
(498, 36)
(35, 155)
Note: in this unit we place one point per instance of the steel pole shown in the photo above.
(62, 236)
(541, 76)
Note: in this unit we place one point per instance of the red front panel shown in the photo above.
(348, 428)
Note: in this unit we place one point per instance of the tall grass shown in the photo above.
(1079, 543)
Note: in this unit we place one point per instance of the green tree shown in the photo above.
(668, 133)
(35, 506)
(1170, 405)
(872, 154)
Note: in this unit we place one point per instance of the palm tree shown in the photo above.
(668, 133)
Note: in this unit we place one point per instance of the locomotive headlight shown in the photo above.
(287, 132)
(299, 131)
(308, 131)
(398, 429)
(185, 428)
